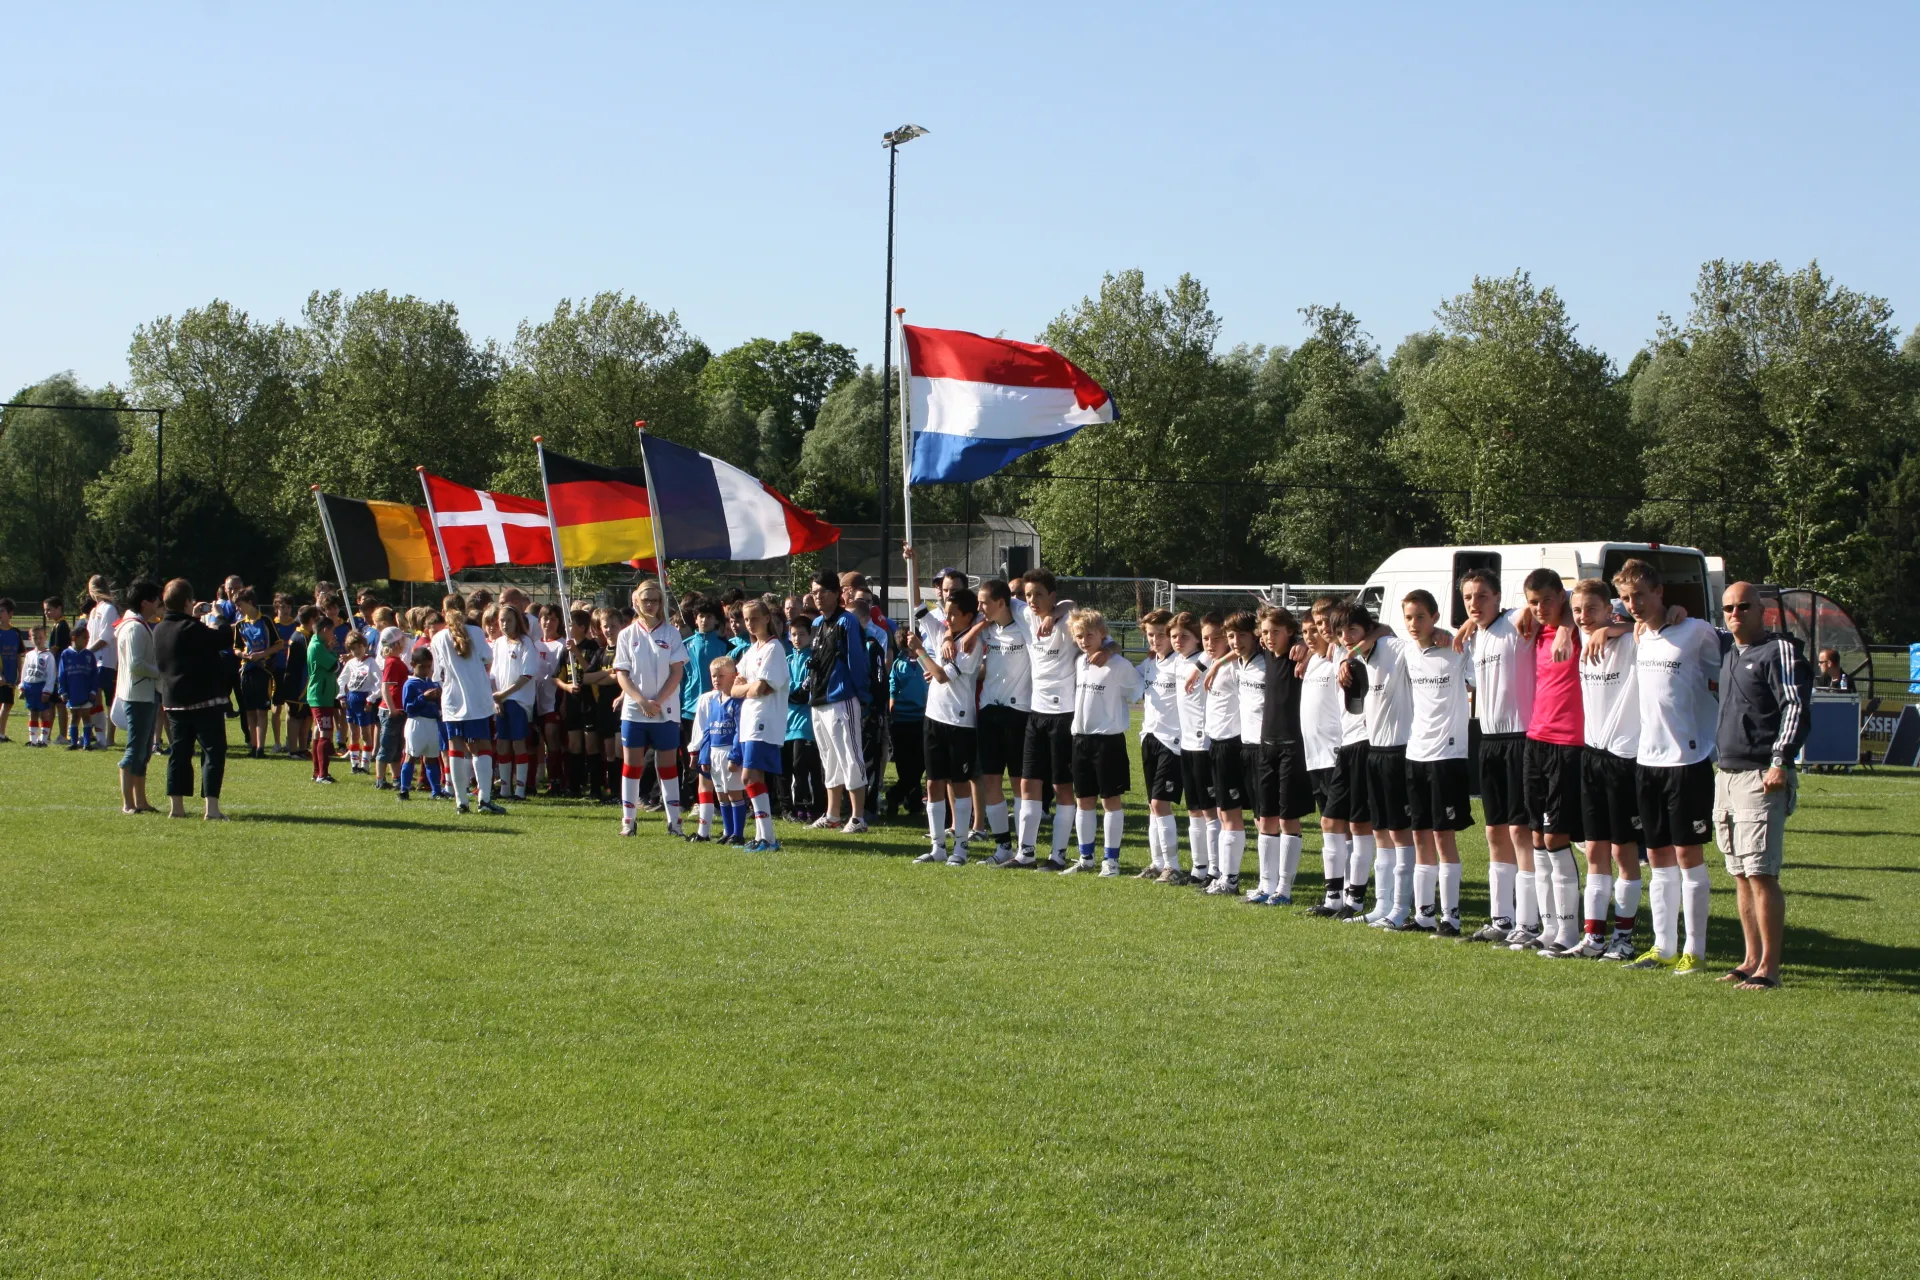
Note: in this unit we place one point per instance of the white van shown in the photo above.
(1694, 580)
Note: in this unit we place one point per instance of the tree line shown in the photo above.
(1777, 424)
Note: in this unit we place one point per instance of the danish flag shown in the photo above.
(476, 527)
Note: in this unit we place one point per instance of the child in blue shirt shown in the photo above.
(80, 689)
(716, 736)
(805, 783)
(420, 699)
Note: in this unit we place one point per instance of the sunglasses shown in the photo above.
(1736, 608)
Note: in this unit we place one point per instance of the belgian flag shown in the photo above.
(600, 514)
(389, 541)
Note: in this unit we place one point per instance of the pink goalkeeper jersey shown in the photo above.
(1558, 714)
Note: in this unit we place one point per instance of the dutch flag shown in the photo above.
(978, 403)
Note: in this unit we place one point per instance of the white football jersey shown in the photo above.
(1223, 701)
(1437, 683)
(952, 702)
(1502, 676)
(1676, 669)
(764, 718)
(1389, 697)
(1103, 696)
(1161, 685)
(1610, 698)
(1193, 702)
(1322, 703)
(1253, 694)
(1053, 659)
(1009, 670)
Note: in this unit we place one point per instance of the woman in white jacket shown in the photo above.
(135, 691)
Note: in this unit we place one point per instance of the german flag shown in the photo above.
(600, 513)
(388, 541)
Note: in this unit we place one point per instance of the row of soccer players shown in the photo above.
(1594, 728)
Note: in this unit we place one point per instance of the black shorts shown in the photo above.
(1278, 781)
(1229, 778)
(576, 712)
(1320, 782)
(6, 695)
(1439, 795)
(1553, 788)
(1387, 806)
(1196, 779)
(288, 692)
(1503, 779)
(1048, 754)
(1162, 765)
(256, 688)
(1100, 765)
(1347, 786)
(1676, 803)
(953, 751)
(1003, 741)
(606, 720)
(1609, 798)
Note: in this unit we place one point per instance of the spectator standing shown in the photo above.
(1764, 691)
(137, 690)
(13, 647)
(102, 618)
(191, 658)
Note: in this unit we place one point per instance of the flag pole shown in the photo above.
(333, 543)
(553, 531)
(653, 519)
(433, 518)
(906, 450)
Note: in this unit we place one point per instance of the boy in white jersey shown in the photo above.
(1190, 665)
(1160, 746)
(1252, 665)
(1610, 807)
(1322, 732)
(1439, 796)
(952, 747)
(1047, 755)
(1222, 683)
(1501, 647)
(1676, 669)
(1378, 659)
(1006, 692)
(1106, 686)
(1347, 789)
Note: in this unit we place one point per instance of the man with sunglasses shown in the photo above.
(1765, 686)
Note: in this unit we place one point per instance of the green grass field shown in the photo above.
(345, 1037)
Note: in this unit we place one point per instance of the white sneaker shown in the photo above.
(824, 823)
(935, 854)
(855, 827)
(626, 828)
(959, 858)
(1054, 863)
(1109, 867)
(1620, 948)
(1588, 948)
(1523, 939)
(1222, 884)
(1025, 860)
(1077, 866)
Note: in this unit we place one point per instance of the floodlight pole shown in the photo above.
(893, 142)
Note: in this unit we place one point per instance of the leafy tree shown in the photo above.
(582, 378)
(782, 386)
(1795, 405)
(1186, 415)
(48, 457)
(839, 468)
(1340, 413)
(1507, 411)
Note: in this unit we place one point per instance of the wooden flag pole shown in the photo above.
(553, 531)
(653, 519)
(333, 543)
(906, 451)
(433, 518)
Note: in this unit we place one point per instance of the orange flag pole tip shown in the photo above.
(538, 439)
(899, 311)
(314, 487)
(640, 424)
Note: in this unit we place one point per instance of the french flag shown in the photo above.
(712, 510)
(978, 403)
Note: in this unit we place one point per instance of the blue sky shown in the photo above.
(724, 160)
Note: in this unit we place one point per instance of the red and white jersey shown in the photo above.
(763, 718)
(1502, 676)
(1610, 698)
(1677, 669)
(513, 659)
(648, 657)
(1322, 703)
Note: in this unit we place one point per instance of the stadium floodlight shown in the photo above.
(892, 141)
(904, 134)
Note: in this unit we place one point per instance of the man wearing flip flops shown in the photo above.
(1765, 685)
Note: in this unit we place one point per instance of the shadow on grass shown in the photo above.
(1828, 866)
(1818, 831)
(473, 827)
(1850, 963)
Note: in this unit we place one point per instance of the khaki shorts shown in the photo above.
(1749, 823)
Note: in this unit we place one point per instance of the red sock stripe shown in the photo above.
(755, 790)
(631, 771)
(667, 772)
(706, 795)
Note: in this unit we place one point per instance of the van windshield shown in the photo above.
(1685, 573)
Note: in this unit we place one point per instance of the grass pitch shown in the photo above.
(342, 1036)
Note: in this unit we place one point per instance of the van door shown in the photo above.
(1685, 574)
(1463, 561)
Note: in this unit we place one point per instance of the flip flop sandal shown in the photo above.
(1735, 975)
(1758, 982)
